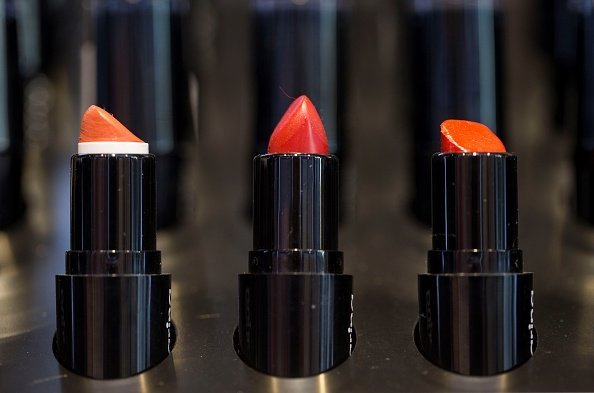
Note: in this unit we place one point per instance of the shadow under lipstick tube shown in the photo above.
(113, 302)
(295, 305)
(475, 301)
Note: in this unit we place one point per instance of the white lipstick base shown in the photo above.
(112, 148)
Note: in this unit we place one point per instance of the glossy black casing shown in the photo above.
(113, 303)
(475, 302)
(295, 303)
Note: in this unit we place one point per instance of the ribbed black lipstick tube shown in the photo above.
(475, 301)
(113, 303)
(295, 305)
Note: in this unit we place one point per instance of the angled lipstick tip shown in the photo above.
(300, 130)
(460, 136)
(99, 126)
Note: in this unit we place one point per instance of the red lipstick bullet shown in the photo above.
(295, 303)
(475, 301)
(113, 304)
(300, 130)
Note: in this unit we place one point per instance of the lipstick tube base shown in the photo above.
(113, 326)
(476, 324)
(295, 325)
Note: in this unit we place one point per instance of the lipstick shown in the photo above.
(113, 304)
(475, 301)
(295, 303)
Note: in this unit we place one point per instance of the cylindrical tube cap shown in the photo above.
(113, 202)
(475, 201)
(304, 189)
(476, 324)
(295, 325)
(113, 326)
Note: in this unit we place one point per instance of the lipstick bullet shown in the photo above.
(113, 304)
(295, 303)
(476, 304)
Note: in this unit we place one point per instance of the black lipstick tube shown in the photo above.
(475, 301)
(295, 303)
(113, 305)
(12, 204)
(584, 147)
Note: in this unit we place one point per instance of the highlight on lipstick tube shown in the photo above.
(113, 304)
(295, 303)
(476, 303)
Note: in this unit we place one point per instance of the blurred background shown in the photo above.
(205, 82)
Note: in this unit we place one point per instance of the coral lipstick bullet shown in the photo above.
(99, 126)
(468, 136)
